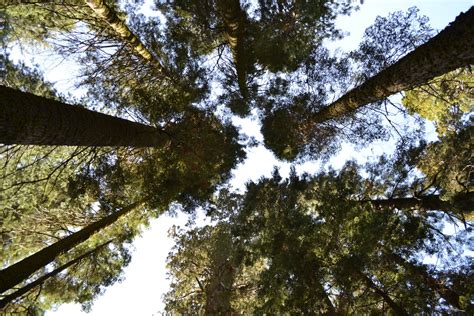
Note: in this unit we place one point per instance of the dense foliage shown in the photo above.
(322, 244)
(363, 239)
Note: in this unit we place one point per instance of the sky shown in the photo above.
(145, 278)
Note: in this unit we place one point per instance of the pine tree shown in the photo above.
(16, 273)
(29, 119)
(235, 24)
(447, 51)
(39, 281)
(103, 11)
(315, 128)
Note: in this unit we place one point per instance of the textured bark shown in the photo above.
(107, 14)
(20, 271)
(25, 289)
(394, 306)
(219, 288)
(235, 20)
(452, 48)
(451, 297)
(33, 120)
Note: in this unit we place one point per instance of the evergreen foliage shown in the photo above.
(359, 240)
(318, 246)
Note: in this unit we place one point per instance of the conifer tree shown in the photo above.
(16, 273)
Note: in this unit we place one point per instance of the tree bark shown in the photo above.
(218, 291)
(33, 120)
(107, 14)
(234, 23)
(20, 271)
(449, 295)
(428, 203)
(25, 289)
(452, 48)
(394, 306)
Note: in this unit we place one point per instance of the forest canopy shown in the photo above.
(150, 130)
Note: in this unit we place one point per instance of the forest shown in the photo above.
(150, 131)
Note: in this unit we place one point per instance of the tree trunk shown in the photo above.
(107, 14)
(33, 120)
(234, 23)
(428, 203)
(450, 296)
(20, 271)
(25, 289)
(452, 48)
(218, 291)
(394, 306)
